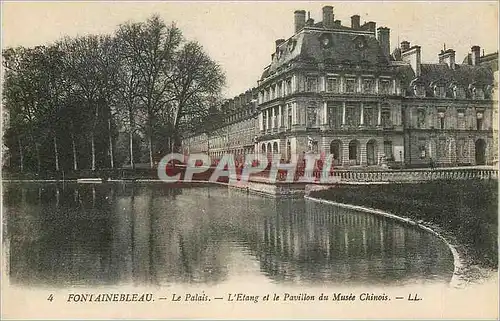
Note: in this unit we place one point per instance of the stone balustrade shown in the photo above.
(404, 175)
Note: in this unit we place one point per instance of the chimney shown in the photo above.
(405, 46)
(328, 17)
(384, 40)
(447, 57)
(370, 26)
(337, 23)
(279, 42)
(355, 24)
(475, 55)
(413, 57)
(300, 20)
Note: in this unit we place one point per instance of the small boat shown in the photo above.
(90, 180)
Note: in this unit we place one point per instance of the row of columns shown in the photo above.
(267, 118)
(267, 94)
(362, 114)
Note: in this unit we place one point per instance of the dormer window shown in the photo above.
(476, 92)
(419, 90)
(439, 91)
(458, 92)
(488, 92)
(279, 54)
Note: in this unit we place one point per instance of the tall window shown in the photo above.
(334, 115)
(461, 119)
(312, 84)
(275, 117)
(289, 86)
(388, 149)
(350, 85)
(385, 86)
(386, 117)
(479, 121)
(311, 115)
(352, 116)
(289, 113)
(441, 148)
(421, 118)
(332, 85)
(368, 116)
(441, 119)
(461, 150)
(368, 86)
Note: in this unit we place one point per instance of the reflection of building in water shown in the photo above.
(331, 243)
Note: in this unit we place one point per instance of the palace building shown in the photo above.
(340, 90)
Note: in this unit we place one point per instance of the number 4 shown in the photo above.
(50, 298)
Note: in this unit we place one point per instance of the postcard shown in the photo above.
(249, 160)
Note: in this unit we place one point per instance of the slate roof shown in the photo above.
(343, 48)
(463, 76)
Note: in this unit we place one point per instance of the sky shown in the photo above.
(240, 36)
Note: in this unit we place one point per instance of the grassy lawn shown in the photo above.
(465, 210)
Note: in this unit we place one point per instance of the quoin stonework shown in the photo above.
(340, 89)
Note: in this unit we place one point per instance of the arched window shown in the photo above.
(354, 152)
(275, 148)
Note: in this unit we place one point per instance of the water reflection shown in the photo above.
(150, 234)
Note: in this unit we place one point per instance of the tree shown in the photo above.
(23, 90)
(67, 101)
(149, 47)
(196, 81)
(92, 70)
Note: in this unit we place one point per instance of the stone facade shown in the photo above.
(237, 131)
(335, 89)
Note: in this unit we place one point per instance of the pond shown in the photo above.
(150, 234)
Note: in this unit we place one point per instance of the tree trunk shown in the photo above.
(38, 159)
(93, 150)
(73, 145)
(131, 148)
(131, 136)
(37, 152)
(93, 136)
(21, 155)
(111, 156)
(56, 153)
(150, 143)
